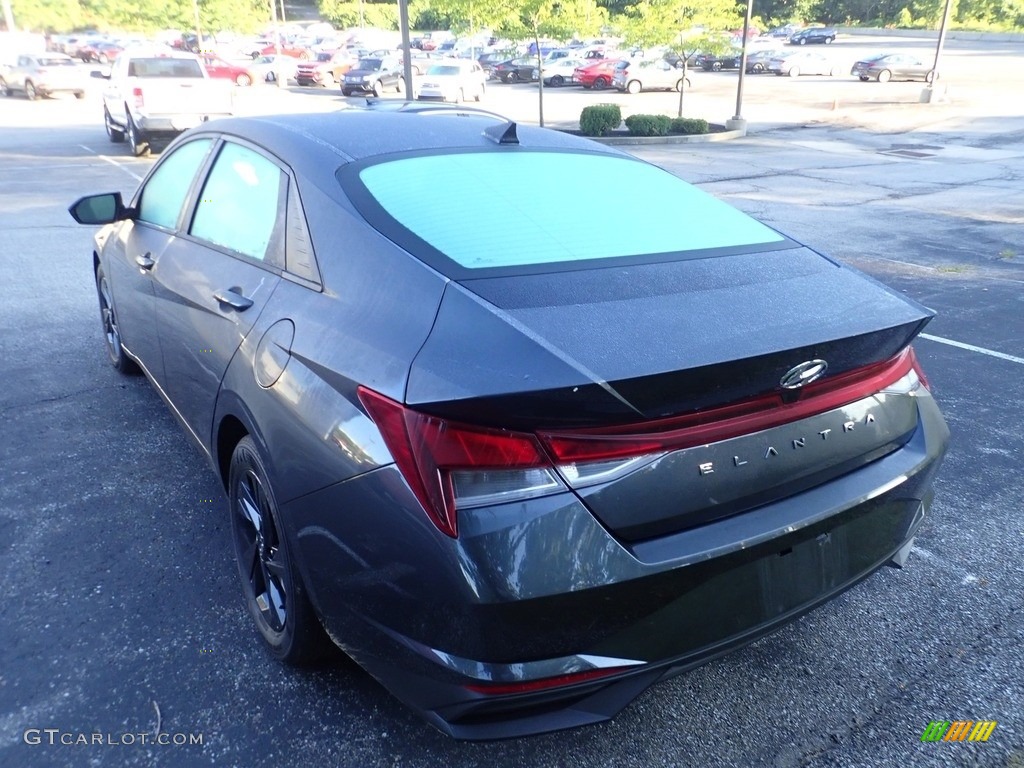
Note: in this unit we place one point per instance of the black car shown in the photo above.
(519, 473)
(374, 75)
(824, 35)
(716, 62)
(519, 69)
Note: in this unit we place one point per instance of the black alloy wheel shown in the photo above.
(272, 588)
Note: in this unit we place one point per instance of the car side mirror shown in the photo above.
(100, 74)
(100, 209)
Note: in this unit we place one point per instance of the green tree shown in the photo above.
(669, 23)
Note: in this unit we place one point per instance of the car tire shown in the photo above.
(716, 66)
(930, 76)
(30, 91)
(111, 332)
(601, 83)
(346, 92)
(377, 90)
(757, 68)
(271, 584)
(803, 41)
(828, 40)
(243, 79)
(400, 85)
(480, 93)
(138, 145)
(864, 79)
(557, 81)
(633, 87)
(4, 88)
(884, 76)
(794, 72)
(832, 72)
(115, 134)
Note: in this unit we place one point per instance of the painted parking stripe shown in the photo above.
(972, 348)
(112, 162)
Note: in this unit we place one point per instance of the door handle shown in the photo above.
(233, 299)
(145, 261)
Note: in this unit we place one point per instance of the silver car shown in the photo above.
(43, 74)
(635, 75)
(453, 80)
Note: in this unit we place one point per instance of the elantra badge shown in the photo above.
(802, 374)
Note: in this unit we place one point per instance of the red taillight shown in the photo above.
(722, 423)
(916, 364)
(449, 464)
(137, 95)
(529, 686)
(428, 449)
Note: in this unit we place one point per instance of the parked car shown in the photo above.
(327, 69)
(101, 51)
(374, 76)
(296, 50)
(757, 62)
(514, 486)
(453, 80)
(786, 30)
(824, 35)
(266, 68)
(42, 74)
(218, 68)
(796, 63)
(515, 70)
(717, 62)
(884, 67)
(154, 94)
(597, 75)
(635, 75)
(559, 72)
(421, 61)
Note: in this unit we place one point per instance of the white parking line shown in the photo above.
(972, 348)
(112, 162)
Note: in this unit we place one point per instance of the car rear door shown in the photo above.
(213, 283)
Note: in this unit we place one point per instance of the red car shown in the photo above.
(217, 67)
(597, 75)
(287, 49)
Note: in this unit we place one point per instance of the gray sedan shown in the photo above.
(519, 473)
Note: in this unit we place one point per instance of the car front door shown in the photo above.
(212, 284)
(141, 242)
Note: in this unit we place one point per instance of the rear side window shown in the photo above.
(510, 209)
(166, 190)
(164, 66)
(240, 205)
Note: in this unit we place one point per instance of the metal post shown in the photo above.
(737, 122)
(9, 16)
(199, 33)
(403, 25)
(930, 93)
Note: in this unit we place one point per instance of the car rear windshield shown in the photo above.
(164, 66)
(56, 63)
(481, 210)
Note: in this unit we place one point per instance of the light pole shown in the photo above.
(403, 25)
(737, 123)
(930, 94)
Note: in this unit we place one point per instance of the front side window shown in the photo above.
(239, 206)
(165, 191)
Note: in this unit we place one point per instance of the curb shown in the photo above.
(699, 138)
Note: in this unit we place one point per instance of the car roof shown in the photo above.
(311, 141)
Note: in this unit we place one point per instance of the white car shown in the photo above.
(560, 71)
(637, 75)
(453, 80)
(266, 67)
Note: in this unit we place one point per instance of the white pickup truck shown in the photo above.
(156, 94)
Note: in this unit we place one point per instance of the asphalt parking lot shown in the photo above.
(123, 613)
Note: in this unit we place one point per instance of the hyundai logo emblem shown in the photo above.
(802, 374)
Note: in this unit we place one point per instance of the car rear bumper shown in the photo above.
(482, 634)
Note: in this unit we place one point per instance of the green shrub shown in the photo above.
(688, 125)
(648, 125)
(599, 119)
